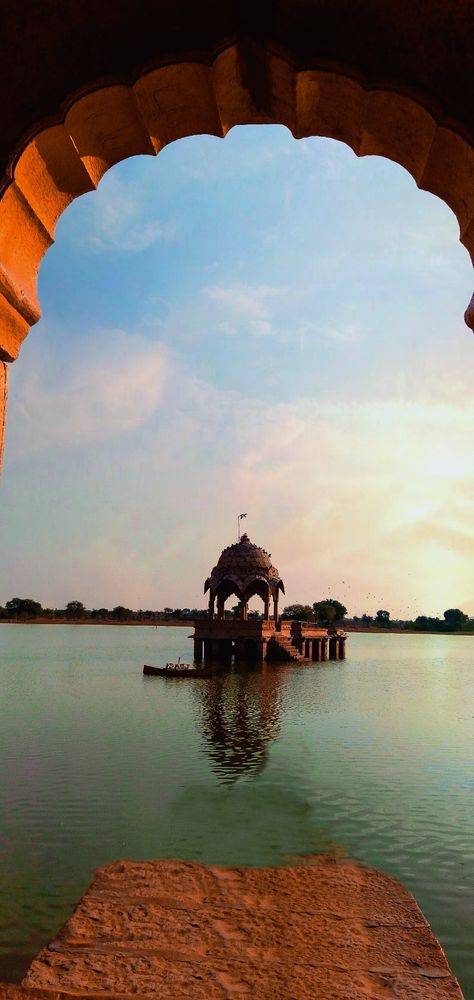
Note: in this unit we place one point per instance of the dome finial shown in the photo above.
(239, 518)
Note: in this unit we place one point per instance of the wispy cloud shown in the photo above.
(118, 220)
(244, 305)
(344, 333)
(116, 389)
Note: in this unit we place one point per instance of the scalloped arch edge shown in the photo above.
(243, 85)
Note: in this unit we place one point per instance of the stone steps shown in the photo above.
(286, 645)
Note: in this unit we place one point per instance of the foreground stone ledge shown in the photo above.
(330, 929)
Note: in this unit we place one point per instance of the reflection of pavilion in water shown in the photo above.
(240, 716)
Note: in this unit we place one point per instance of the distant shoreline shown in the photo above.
(179, 623)
(104, 621)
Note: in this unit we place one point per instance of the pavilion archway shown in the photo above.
(244, 84)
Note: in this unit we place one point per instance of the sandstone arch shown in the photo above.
(246, 82)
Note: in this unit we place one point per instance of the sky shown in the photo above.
(257, 325)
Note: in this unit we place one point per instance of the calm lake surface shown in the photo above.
(372, 757)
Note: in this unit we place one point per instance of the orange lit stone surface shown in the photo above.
(330, 930)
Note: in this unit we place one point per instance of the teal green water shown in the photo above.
(372, 757)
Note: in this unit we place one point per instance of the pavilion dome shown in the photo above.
(244, 564)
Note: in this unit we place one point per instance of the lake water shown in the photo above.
(372, 757)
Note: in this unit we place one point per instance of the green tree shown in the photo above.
(75, 609)
(23, 607)
(423, 623)
(121, 614)
(455, 619)
(382, 619)
(299, 613)
(329, 611)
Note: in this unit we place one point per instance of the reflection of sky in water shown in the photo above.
(372, 757)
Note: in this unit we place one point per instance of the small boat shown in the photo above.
(175, 670)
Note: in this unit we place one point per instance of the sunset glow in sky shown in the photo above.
(259, 325)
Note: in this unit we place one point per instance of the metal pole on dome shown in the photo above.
(239, 518)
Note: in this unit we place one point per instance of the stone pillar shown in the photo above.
(207, 650)
(307, 649)
(316, 650)
(215, 649)
(266, 609)
(198, 650)
(333, 647)
(324, 648)
(220, 608)
(239, 649)
(243, 610)
(211, 605)
(275, 606)
(3, 406)
(261, 650)
(225, 650)
(342, 647)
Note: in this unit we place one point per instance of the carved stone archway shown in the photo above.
(384, 83)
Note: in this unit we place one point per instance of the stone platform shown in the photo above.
(219, 640)
(175, 930)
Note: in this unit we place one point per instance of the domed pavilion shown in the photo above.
(245, 570)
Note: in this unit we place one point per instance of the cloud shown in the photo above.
(115, 388)
(344, 333)
(118, 222)
(245, 305)
(379, 495)
(374, 494)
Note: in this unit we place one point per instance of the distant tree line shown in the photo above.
(325, 613)
(332, 612)
(25, 609)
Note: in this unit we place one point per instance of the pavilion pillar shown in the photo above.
(342, 647)
(324, 648)
(207, 650)
(266, 609)
(275, 606)
(198, 650)
(211, 605)
(243, 610)
(333, 647)
(220, 608)
(316, 650)
(261, 650)
(307, 649)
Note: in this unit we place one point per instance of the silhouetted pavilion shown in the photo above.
(245, 570)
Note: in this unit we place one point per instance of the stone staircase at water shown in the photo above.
(284, 649)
